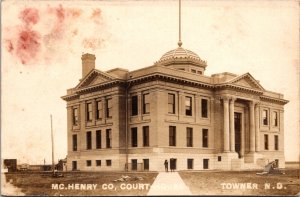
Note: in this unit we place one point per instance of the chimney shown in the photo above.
(88, 63)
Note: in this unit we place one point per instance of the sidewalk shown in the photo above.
(168, 183)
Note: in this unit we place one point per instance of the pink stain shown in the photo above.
(75, 13)
(9, 46)
(60, 13)
(92, 43)
(30, 16)
(96, 15)
(26, 41)
(28, 45)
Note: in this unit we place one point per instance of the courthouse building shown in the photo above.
(136, 120)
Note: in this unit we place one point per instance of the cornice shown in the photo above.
(170, 78)
(274, 100)
(70, 97)
(189, 60)
(237, 87)
(99, 86)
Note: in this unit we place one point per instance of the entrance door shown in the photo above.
(173, 162)
(237, 132)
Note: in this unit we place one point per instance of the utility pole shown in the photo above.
(52, 143)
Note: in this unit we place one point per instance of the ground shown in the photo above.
(221, 183)
(41, 183)
(199, 183)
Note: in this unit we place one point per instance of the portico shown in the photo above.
(234, 124)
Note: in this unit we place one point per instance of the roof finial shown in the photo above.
(179, 42)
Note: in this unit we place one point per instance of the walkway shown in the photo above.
(168, 183)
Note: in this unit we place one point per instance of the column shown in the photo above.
(197, 108)
(252, 127)
(181, 105)
(140, 105)
(94, 111)
(103, 102)
(231, 125)
(226, 124)
(242, 152)
(257, 142)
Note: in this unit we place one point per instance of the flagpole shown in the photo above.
(179, 41)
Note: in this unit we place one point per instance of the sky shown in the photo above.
(42, 43)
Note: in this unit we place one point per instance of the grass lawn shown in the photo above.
(209, 183)
(41, 184)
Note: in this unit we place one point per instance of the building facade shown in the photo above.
(135, 120)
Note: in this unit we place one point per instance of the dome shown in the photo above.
(179, 53)
(181, 56)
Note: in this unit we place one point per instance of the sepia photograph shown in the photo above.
(150, 97)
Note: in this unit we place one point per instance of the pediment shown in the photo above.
(93, 78)
(247, 81)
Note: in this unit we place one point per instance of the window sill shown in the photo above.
(169, 114)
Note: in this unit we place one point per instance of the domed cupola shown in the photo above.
(181, 56)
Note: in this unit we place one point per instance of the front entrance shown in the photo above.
(237, 132)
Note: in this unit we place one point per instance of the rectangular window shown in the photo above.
(89, 111)
(205, 138)
(146, 164)
(74, 165)
(98, 139)
(276, 145)
(108, 138)
(75, 116)
(146, 104)
(193, 70)
(134, 164)
(188, 106)
(275, 119)
(146, 136)
(74, 139)
(99, 110)
(134, 137)
(108, 108)
(134, 105)
(219, 158)
(204, 108)
(189, 137)
(205, 163)
(98, 162)
(171, 103)
(266, 140)
(265, 117)
(88, 140)
(190, 164)
(108, 162)
(88, 163)
(172, 136)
